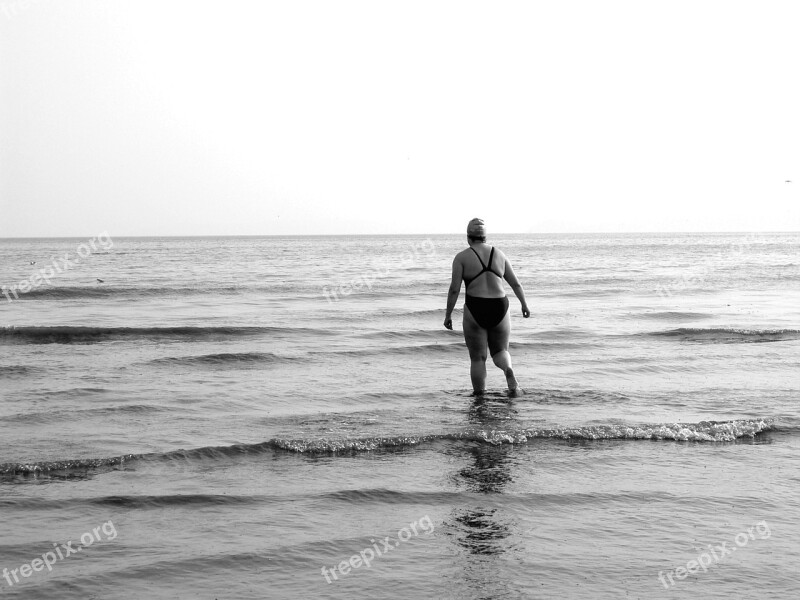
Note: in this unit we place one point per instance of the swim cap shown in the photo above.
(476, 228)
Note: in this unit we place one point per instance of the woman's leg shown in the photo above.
(498, 347)
(476, 339)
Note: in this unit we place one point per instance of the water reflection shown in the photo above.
(483, 533)
(489, 470)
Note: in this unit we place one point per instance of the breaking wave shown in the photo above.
(706, 431)
(729, 335)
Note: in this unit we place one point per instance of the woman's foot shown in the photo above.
(511, 381)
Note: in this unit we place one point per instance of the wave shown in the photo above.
(81, 393)
(135, 502)
(416, 334)
(82, 414)
(582, 292)
(111, 291)
(243, 358)
(728, 335)
(431, 312)
(705, 431)
(389, 496)
(628, 367)
(422, 316)
(66, 468)
(671, 315)
(573, 397)
(346, 496)
(400, 350)
(11, 371)
(564, 333)
(452, 341)
(553, 335)
(699, 432)
(87, 335)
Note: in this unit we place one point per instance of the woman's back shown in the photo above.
(484, 268)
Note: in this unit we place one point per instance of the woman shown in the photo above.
(487, 322)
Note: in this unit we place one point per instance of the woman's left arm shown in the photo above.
(512, 280)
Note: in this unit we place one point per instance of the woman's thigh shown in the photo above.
(498, 336)
(475, 336)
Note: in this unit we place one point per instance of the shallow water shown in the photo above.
(239, 413)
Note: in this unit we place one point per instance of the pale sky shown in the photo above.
(175, 117)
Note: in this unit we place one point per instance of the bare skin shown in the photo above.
(478, 339)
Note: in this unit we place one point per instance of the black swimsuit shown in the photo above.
(488, 312)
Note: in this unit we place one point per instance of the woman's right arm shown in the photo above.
(512, 280)
(452, 293)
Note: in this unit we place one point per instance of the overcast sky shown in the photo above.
(175, 117)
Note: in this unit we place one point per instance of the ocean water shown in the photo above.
(286, 417)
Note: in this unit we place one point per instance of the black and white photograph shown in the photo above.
(357, 299)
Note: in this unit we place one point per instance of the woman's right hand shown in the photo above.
(525, 312)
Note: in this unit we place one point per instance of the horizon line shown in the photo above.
(320, 235)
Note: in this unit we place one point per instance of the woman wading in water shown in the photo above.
(487, 322)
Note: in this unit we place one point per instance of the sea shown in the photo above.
(287, 417)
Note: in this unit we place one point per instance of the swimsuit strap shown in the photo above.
(489, 266)
(484, 269)
(479, 258)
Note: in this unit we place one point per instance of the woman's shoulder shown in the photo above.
(466, 251)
